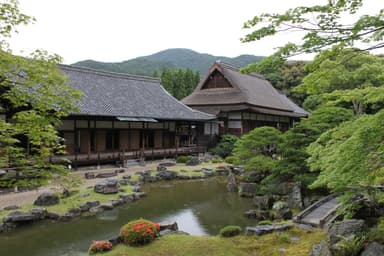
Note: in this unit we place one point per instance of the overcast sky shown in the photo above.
(118, 30)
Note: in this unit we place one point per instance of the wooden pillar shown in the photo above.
(113, 139)
(129, 136)
(76, 141)
(142, 141)
(89, 139)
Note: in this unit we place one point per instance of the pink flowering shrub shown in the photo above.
(99, 246)
(139, 232)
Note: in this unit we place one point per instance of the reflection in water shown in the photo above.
(200, 207)
(186, 221)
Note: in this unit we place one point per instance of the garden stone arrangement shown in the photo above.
(107, 186)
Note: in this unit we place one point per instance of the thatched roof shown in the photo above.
(249, 90)
(119, 95)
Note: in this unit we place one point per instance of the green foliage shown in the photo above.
(323, 25)
(99, 246)
(230, 159)
(349, 246)
(11, 17)
(283, 75)
(217, 160)
(230, 231)
(265, 222)
(283, 237)
(178, 82)
(292, 149)
(256, 150)
(346, 78)
(34, 96)
(350, 156)
(225, 146)
(376, 234)
(183, 159)
(139, 232)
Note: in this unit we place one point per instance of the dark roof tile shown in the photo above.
(114, 94)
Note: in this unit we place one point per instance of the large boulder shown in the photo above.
(295, 198)
(107, 186)
(247, 189)
(282, 188)
(232, 184)
(166, 175)
(345, 228)
(321, 249)
(285, 214)
(263, 202)
(47, 198)
(193, 162)
(373, 249)
(19, 217)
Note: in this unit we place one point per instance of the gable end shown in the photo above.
(216, 80)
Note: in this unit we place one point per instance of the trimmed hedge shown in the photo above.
(183, 159)
(230, 231)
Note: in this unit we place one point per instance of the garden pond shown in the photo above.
(200, 207)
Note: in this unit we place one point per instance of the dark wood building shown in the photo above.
(123, 116)
(242, 102)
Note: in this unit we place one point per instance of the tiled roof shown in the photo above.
(121, 95)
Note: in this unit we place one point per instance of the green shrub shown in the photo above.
(377, 233)
(349, 246)
(183, 159)
(225, 146)
(139, 232)
(265, 222)
(216, 160)
(99, 246)
(230, 231)
(283, 237)
(230, 159)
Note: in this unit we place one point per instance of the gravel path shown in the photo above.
(28, 197)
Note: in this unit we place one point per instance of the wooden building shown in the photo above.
(242, 102)
(123, 116)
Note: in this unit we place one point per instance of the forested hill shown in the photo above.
(168, 59)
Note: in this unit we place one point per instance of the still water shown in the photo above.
(200, 207)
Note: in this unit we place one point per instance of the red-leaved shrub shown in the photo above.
(139, 232)
(99, 246)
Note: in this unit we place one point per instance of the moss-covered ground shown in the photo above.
(296, 242)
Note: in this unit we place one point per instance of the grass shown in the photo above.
(185, 170)
(275, 244)
(75, 200)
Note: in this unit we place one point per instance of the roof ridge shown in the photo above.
(237, 69)
(109, 74)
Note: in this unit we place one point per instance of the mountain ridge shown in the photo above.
(174, 58)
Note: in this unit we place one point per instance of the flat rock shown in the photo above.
(265, 229)
(106, 207)
(46, 199)
(106, 175)
(107, 186)
(373, 249)
(11, 208)
(20, 217)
